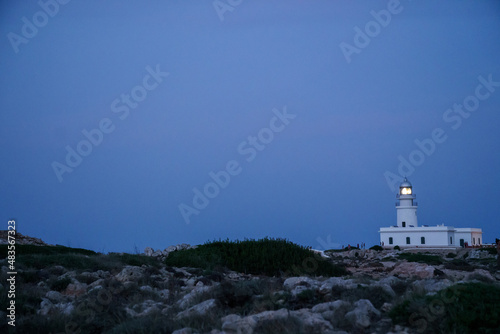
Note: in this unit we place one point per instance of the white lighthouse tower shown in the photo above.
(408, 234)
(406, 207)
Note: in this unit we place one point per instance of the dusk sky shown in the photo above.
(127, 124)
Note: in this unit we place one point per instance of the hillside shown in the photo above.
(231, 287)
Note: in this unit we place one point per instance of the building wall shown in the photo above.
(408, 215)
(434, 236)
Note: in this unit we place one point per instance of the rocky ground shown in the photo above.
(189, 300)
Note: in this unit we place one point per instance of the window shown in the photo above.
(422, 240)
(404, 224)
(462, 243)
(451, 241)
(390, 240)
(478, 241)
(473, 241)
(407, 240)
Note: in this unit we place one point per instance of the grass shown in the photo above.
(46, 250)
(421, 258)
(271, 257)
(462, 308)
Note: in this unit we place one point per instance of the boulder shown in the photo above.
(327, 285)
(54, 296)
(148, 251)
(362, 314)
(200, 309)
(312, 322)
(188, 298)
(75, 289)
(130, 274)
(291, 283)
(332, 311)
(234, 324)
(413, 269)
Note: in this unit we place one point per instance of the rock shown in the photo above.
(480, 275)
(333, 311)
(327, 285)
(292, 282)
(362, 314)
(130, 273)
(146, 288)
(200, 309)
(312, 322)
(386, 307)
(188, 298)
(480, 254)
(46, 307)
(413, 269)
(65, 308)
(170, 249)
(190, 282)
(75, 289)
(54, 296)
(131, 313)
(148, 251)
(431, 285)
(164, 294)
(234, 324)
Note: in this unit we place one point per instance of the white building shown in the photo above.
(407, 233)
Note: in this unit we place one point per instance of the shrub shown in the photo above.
(458, 264)
(462, 308)
(46, 250)
(60, 284)
(271, 257)
(397, 247)
(421, 258)
(451, 255)
(377, 248)
(288, 325)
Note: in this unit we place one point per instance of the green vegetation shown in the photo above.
(377, 248)
(397, 247)
(46, 250)
(421, 258)
(451, 255)
(42, 257)
(60, 284)
(272, 257)
(462, 308)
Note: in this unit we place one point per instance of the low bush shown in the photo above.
(421, 258)
(271, 257)
(462, 308)
(377, 248)
(397, 247)
(451, 255)
(46, 250)
(60, 284)
(458, 264)
(285, 325)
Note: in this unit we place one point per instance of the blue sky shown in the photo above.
(171, 91)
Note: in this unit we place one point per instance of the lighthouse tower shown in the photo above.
(406, 207)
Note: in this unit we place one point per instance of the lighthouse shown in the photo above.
(406, 233)
(406, 207)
